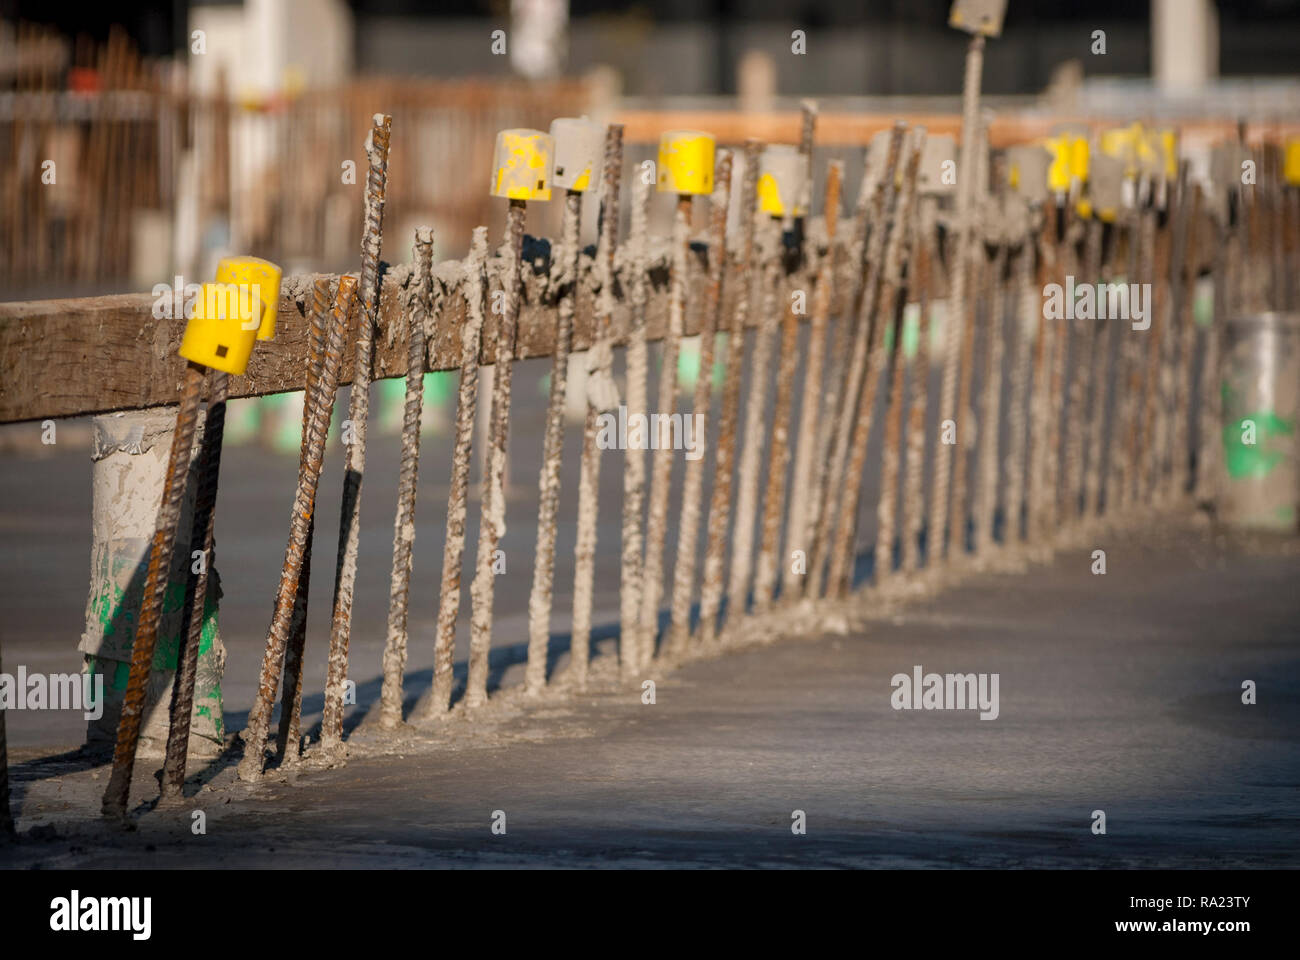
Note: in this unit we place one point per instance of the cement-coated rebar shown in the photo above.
(548, 482)
(956, 306)
(631, 653)
(798, 533)
(693, 482)
(419, 308)
(492, 521)
(259, 717)
(662, 459)
(602, 395)
(345, 575)
(867, 261)
(1026, 305)
(778, 451)
(921, 280)
(728, 424)
(881, 310)
(453, 549)
(289, 738)
(993, 280)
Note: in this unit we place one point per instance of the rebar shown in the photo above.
(289, 737)
(881, 310)
(419, 310)
(662, 462)
(548, 483)
(1180, 473)
(631, 655)
(920, 279)
(734, 359)
(161, 551)
(993, 280)
(259, 717)
(492, 520)
(191, 627)
(345, 574)
(802, 486)
(1025, 304)
(956, 307)
(693, 483)
(453, 549)
(867, 260)
(602, 394)
(778, 452)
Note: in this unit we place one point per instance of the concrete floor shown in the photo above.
(1119, 693)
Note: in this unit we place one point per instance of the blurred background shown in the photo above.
(143, 143)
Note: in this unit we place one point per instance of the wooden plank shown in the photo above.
(63, 358)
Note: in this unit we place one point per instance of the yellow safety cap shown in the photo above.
(686, 162)
(223, 327)
(1169, 152)
(1291, 163)
(264, 277)
(1058, 171)
(522, 166)
(782, 171)
(577, 143)
(1079, 158)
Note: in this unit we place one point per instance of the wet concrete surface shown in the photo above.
(1120, 693)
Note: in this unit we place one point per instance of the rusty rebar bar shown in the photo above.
(1147, 468)
(867, 262)
(453, 549)
(662, 460)
(891, 452)
(798, 533)
(956, 306)
(1026, 303)
(1073, 496)
(1040, 402)
(602, 395)
(693, 482)
(734, 358)
(1100, 375)
(920, 279)
(259, 717)
(1211, 417)
(993, 281)
(631, 656)
(289, 737)
(959, 500)
(1066, 259)
(1180, 473)
(418, 312)
(345, 574)
(883, 308)
(492, 521)
(849, 266)
(161, 551)
(548, 483)
(778, 452)
(742, 537)
(191, 627)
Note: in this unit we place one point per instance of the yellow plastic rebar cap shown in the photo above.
(264, 277)
(686, 162)
(781, 173)
(522, 165)
(223, 327)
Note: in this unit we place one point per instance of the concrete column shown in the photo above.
(1184, 44)
(130, 462)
